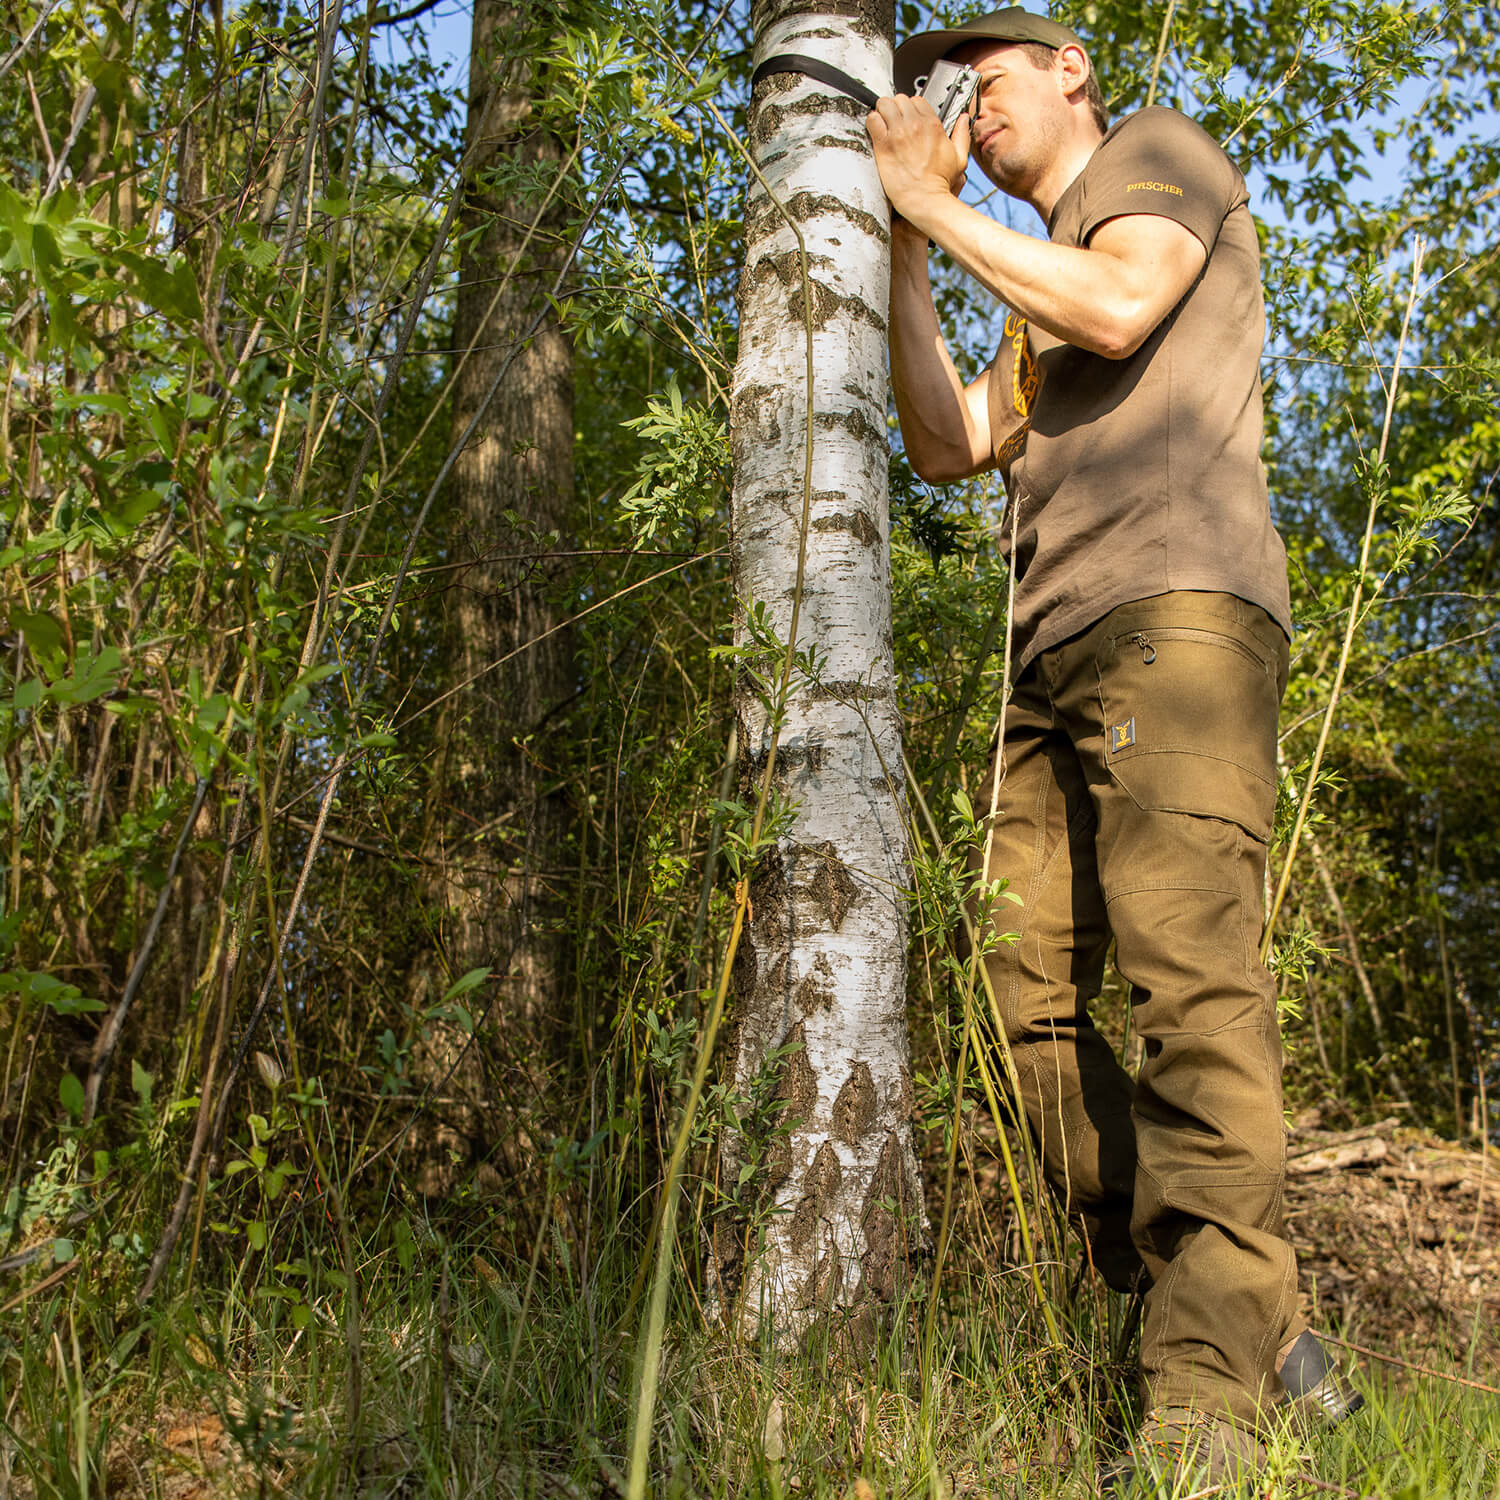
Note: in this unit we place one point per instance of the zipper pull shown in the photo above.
(1148, 651)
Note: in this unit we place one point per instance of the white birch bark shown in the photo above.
(831, 1208)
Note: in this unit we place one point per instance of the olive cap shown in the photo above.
(915, 56)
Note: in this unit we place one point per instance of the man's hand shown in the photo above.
(916, 158)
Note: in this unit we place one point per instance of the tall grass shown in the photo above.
(481, 1381)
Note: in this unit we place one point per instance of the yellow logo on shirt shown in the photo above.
(1025, 378)
(1025, 382)
(1154, 187)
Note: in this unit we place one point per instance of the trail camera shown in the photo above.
(950, 89)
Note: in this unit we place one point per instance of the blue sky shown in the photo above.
(447, 31)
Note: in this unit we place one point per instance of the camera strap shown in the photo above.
(817, 69)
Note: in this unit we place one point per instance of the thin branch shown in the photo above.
(1406, 1364)
(1354, 617)
(1390, 666)
(1161, 51)
(19, 50)
(409, 14)
(109, 1035)
(1356, 959)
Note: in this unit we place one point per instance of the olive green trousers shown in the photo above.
(1137, 791)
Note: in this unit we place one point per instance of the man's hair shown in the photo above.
(1040, 55)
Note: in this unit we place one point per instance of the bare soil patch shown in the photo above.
(1398, 1239)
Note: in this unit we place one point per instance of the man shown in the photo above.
(1137, 766)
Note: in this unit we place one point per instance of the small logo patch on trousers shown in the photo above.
(1121, 736)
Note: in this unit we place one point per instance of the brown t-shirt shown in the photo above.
(1133, 477)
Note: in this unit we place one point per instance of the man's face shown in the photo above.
(1021, 119)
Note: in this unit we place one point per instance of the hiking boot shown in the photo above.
(1184, 1450)
(1315, 1393)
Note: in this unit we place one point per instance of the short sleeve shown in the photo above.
(1160, 162)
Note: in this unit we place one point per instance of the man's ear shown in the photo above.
(1073, 67)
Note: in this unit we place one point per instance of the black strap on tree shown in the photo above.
(822, 72)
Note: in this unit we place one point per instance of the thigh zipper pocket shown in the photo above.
(1148, 644)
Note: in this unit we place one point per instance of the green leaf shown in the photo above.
(100, 675)
(70, 1092)
(141, 1081)
(454, 1013)
(62, 1251)
(470, 981)
(131, 511)
(169, 289)
(255, 1232)
(65, 999)
(296, 698)
(259, 254)
(42, 632)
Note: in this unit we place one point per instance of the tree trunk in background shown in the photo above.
(495, 827)
(831, 1205)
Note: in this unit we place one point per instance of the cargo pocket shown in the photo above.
(1190, 723)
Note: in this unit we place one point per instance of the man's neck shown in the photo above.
(1062, 172)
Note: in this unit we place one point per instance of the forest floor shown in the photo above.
(1398, 1237)
(479, 1382)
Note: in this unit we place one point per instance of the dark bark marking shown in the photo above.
(784, 266)
(831, 890)
(824, 1178)
(906, 1097)
(814, 1292)
(854, 421)
(815, 990)
(838, 143)
(742, 975)
(753, 411)
(827, 304)
(778, 1166)
(799, 1084)
(892, 1199)
(871, 18)
(845, 692)
(785, 498)
(789, 757)
(766, 933)
(802, 206)
(776, 975)
(857, 524)
(854, 1109)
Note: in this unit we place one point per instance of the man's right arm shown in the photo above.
(945, 424)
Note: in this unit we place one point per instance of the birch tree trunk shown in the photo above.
(830, 1207)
